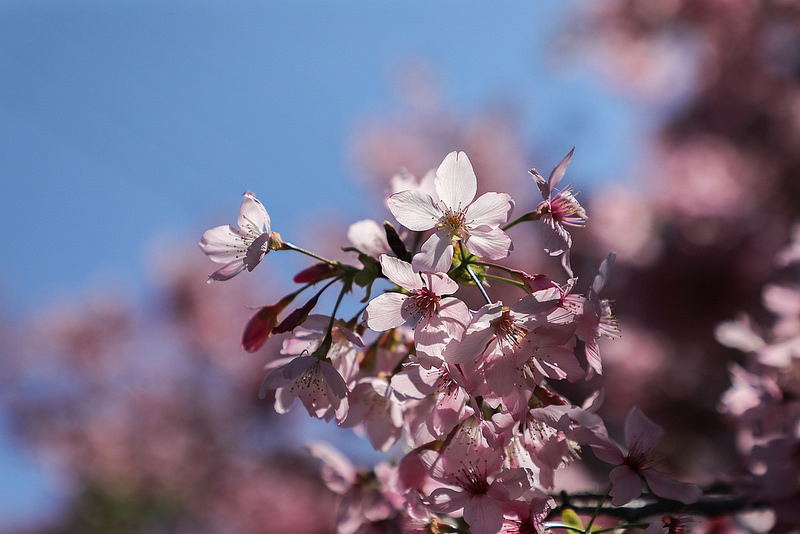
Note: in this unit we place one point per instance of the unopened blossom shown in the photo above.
(559, 209)
(244, 247)
(437, 318)
(641, 434)
(455, 215)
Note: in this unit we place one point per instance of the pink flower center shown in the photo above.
(564, 208)
(508, 331)
(425, 301)
(452, 222)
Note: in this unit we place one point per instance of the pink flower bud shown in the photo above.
(259, 326)
(315, 273)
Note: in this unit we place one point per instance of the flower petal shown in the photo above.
(227, 272)
(641, 434)
(483, 514)
(385, 312)
(663, 486)
(436, 255)
(400, 272)
(223, 244)
(558, 171)
(491, 209)
(455, 182)
(253, 217)
(414, 209)
(490, 244)
(626, 485)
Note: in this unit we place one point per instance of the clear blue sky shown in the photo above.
(124, 120)
(120, 120)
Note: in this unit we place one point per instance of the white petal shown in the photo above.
(436, 255)
(253, 217)
(369, 237)
(400, 272)
(491, 209)
(493, 245)
(228, 271)
(414, 209)
(441, 284)
(385, 312)
(223, 244)
(456, 183)
(558, 171)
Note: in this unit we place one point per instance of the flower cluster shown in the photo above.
(467, 397)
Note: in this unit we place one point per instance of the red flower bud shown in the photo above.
(315, 273)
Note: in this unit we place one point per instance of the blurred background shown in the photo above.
(127, 128)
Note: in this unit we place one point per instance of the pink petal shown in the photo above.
(484, 515)
(223, 244)
(436, 255)
(490, 209)
(400, 272)
(227, 272)
(455, 182)
(641, 434)
(558, 171)
(440, 284)
(385, 312)
(492, 244)
(663, 486)
(626, 485)
(414, 209)
(253, 217)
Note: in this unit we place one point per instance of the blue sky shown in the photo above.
(122, 121)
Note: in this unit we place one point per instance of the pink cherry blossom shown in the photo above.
(315, 382)
(559, 210)
(641, 434)
(240, 248)
(437, 318)
(480, 486)
(456, 215)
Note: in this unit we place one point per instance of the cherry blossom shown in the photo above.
(456, 215)
(244, 247)
(558, 210)
(437, 318)
(641, 434)
(315, 382)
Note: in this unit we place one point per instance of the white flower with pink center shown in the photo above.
(558, 210)
(437, 318)
(240, 248)
(456, 215)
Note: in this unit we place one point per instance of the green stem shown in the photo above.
(597, 509)
(619, 527)
(532, 216)
(505, 280)
(291, 246)
(478, 283)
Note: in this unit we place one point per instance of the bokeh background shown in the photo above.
(127, 128)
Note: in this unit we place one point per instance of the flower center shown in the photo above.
(509, 332)
(452, 222)
(425, 301)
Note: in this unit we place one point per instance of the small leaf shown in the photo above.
(569, 517)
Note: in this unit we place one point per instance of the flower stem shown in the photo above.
(478, 283)
(532, 216)
(597, 509)
(291, 246)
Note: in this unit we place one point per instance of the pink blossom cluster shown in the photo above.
(465, 398)
(763, 400)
